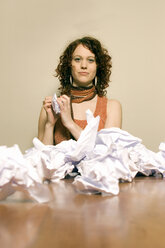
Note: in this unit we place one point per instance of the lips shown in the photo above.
(83, 73)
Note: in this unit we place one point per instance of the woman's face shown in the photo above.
(83, 66)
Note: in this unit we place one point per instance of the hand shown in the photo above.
(65, 109)
(51, 116)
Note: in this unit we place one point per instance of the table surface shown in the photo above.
(134, 218)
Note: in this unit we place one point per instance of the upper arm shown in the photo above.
(114, 114)
(41, 123)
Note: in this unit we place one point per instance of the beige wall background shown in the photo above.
(35, 32)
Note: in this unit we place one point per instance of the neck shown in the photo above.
(82, 86)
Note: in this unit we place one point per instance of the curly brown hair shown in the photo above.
(103, 61)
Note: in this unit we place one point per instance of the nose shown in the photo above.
(83, 64)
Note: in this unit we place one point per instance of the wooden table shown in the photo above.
(134, 218)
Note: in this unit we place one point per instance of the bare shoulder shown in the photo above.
(114, 103)
(114, 114)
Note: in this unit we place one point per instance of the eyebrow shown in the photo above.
(90, 56)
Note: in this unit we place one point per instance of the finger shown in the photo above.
(47, 102)
(48, 99)
(61, 103)
(65, 97)
(65, 100)
(64, 105)
(47, 106)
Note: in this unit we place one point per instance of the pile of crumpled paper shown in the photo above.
(102, 160)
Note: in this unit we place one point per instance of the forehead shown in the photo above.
(82, 51)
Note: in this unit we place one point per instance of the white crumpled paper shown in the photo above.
(55, 104)
(102, 158)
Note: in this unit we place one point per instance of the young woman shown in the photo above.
(84, 72)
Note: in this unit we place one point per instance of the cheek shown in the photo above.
(73, 68)
(94, 69)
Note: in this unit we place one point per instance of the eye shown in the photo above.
(77, 59)
(91, 60)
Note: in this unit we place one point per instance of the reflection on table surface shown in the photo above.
(134, 218)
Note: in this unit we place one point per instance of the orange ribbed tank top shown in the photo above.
(61, 133)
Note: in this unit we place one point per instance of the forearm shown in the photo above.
(66, 118)
(74, 129)
(48, 134)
